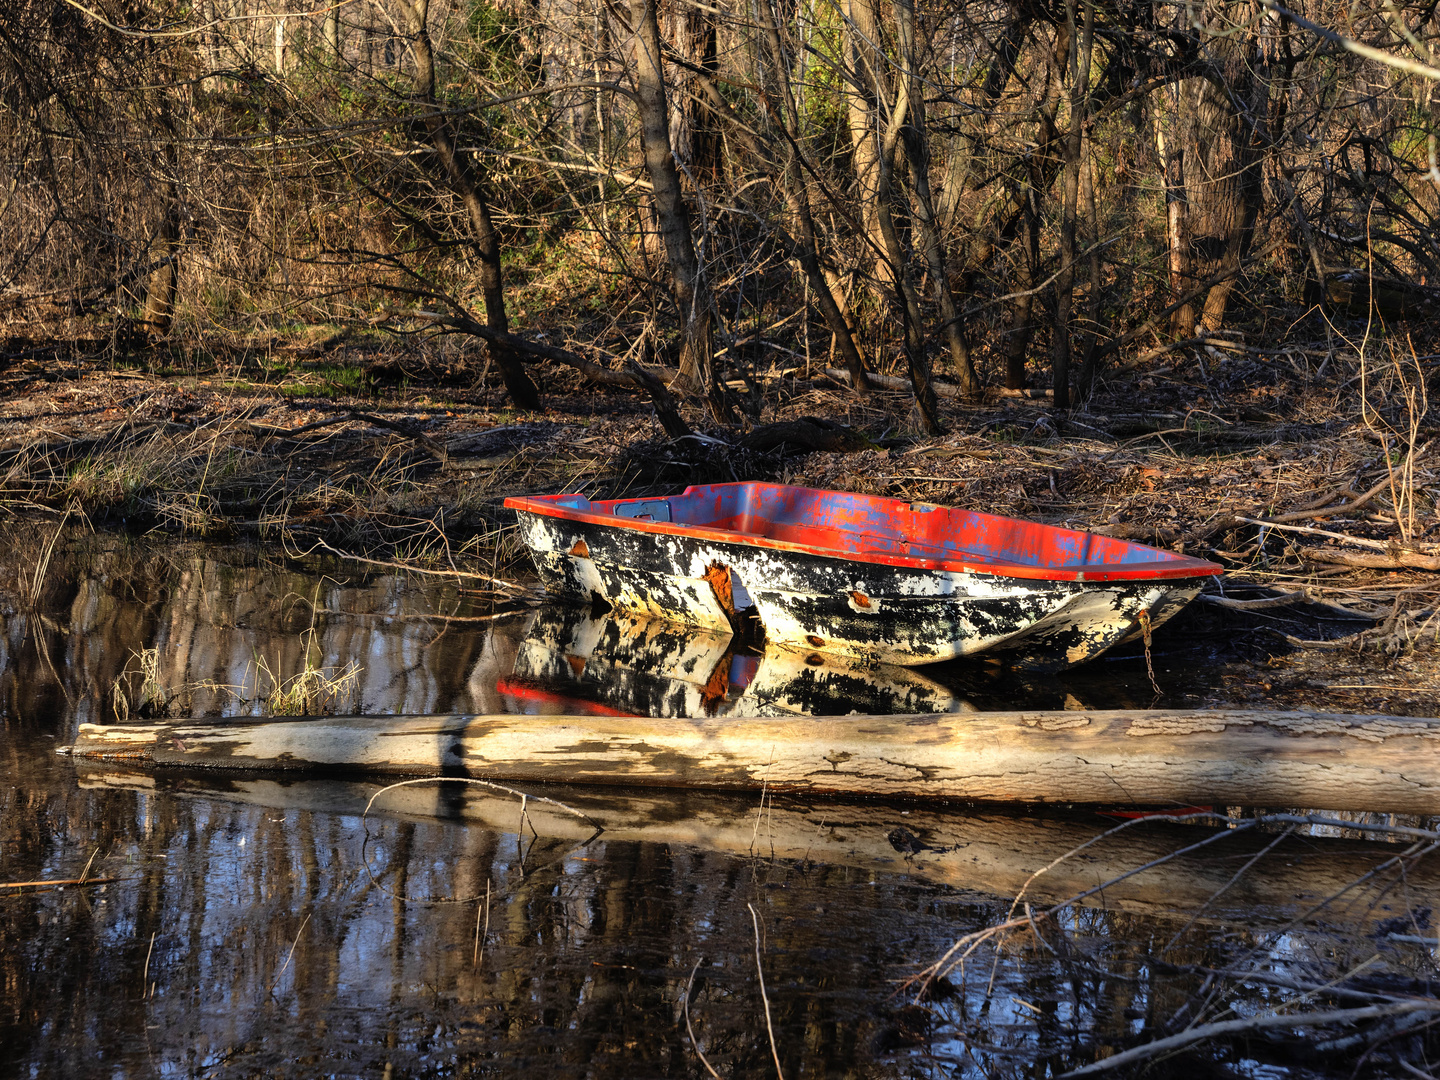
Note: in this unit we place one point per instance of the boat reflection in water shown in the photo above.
(620, 662)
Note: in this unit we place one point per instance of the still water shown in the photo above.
(254, 926)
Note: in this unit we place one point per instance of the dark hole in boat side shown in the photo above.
(599, 605)
(734, 600)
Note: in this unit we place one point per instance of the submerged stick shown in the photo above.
(57, 883)
(1331, 761)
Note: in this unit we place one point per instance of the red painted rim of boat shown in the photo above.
(1175, 566)
(521, 690)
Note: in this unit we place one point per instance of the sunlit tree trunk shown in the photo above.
(797, 200)
(332, 32)
(1177, 235)
(280, 46)
(865, 72)
(1060, 345)
(917, 150)
(691, 291)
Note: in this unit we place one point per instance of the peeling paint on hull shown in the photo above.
(880, 604)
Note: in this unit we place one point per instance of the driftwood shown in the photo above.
(1400, 559)
(1320, 760)
(992, 854)
(891, 382)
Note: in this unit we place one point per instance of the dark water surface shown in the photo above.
(266, 927)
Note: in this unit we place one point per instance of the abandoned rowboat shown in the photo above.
(872, 578)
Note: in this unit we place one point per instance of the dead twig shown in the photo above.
(501, 582)
(764, 997)
(1253, 1023)
(690, 986)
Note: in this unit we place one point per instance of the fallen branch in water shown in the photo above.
(1254, 1023)
(452, 572)
(1399, 559)
(1286, 599)
(56, 883)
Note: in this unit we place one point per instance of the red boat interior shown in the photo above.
(878, 529)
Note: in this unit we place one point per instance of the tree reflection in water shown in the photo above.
(254, 931)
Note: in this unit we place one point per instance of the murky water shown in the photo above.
(256, 926)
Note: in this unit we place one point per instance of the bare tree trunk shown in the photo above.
(917, 151)
(797, 200)
(280, 46)
(211, 9)
(693, 133)
(1172, 157)
(1219, 128)
(866, 74)
(1093, 301)
(1065, 280)
(1022, 323)
(332, 32)
(163, 284)
(465, 184)
(692, 293)
(907, 299)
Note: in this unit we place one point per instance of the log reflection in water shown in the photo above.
(987, 852)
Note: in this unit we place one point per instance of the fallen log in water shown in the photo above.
(1327, 761)
(987, 853)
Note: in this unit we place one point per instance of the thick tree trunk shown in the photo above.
(1282, 759)
(692, 292)
(332, 32)
(467, 186)
(1172, 157)
(1220, 128)
(797, 200)
(1060, 345)
(694, 133)
(866, 73)
(980, 852)
(163, 284)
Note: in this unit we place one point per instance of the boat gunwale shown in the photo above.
(1180, 567)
